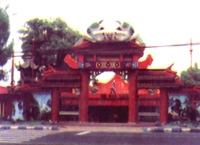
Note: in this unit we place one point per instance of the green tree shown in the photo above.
(186, 75)
(6, 50)
(50, 39)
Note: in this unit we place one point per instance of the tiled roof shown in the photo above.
(98, 47)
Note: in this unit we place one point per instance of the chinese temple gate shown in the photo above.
(139, 92)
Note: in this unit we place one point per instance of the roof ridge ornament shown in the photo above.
(28, 63)
(113, 31)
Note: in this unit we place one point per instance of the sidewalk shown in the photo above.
(104, 127)
(36, 125)
(101, 127)
(126, 127)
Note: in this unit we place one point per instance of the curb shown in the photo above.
(173, 130)
(29, 127)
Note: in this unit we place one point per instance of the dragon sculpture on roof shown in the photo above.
(109, 31)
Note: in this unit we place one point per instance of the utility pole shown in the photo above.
(191, 60)
(12, 71)
(32, 63)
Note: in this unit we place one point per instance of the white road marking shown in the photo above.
(82, 133)
(19, 136)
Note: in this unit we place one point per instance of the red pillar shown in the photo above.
(8, 108)
(83, 107)
(194, 101)
(133, 97)
(55, 105)
(27, 102)
(163, 105)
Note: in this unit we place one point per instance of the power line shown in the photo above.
(153, 46)
(173, 45)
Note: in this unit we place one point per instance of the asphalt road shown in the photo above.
(115, 138)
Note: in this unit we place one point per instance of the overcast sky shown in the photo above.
(157, 22)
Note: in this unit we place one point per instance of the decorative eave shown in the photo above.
(89, 47)
(157, 78)
(60, 78)
(156, 74)
(154, 78)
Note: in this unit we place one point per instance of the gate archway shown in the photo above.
(118, 51)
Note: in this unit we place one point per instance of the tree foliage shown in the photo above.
(6, 49)
(186, 76)
(49, 38)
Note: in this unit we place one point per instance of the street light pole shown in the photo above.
(191, 60)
